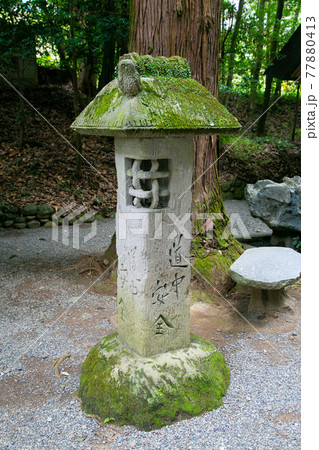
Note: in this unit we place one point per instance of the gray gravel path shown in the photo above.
(41, 320)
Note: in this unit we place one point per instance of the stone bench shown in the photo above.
(267, 271)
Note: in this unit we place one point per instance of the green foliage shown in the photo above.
(249, 36)
(148, 66)
(26, 25)
(18, 31)
(109, 419)
(296, 242)
(252, 159)
(46, 61)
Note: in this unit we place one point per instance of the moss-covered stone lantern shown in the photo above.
(153, 371)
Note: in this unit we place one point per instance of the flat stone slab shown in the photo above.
(244, 226)
(267, 268)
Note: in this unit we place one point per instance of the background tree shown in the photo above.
(259, 54)
(77, 29)
(253, 44)
(191, 29)
(228, 12)
(273, 49)
(233, 43)
(18, 30)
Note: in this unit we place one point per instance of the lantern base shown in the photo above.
(118, 385)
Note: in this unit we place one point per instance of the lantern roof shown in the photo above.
(154, 96)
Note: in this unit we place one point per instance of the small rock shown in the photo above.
(89, 219)
(44, 211)
(219, 330)
(275, 315)
(8, 223)
(28, 218)
(225, 187)
(20, 226)
(294, 333)
(29, 210)
(19, 220)
(50, 224)
(33, 224)
(12, 209)
(86, 316)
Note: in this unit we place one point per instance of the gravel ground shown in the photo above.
(43, 318)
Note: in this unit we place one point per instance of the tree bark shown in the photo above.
(22, 115)
(87, 77)
(233, 44)
(190, 29)
(273, 49)
(225, 33)
(76, 93)
(259, 55)
(107, 64)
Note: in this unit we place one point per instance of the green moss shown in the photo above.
(198, 295)
(152, 392)
(170, 102)
(216, 261)
(214, 267)
(149, 66)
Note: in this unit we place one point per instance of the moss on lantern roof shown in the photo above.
(149, 66)
(154, 97)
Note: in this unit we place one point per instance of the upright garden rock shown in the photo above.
(277, 204)
(153, 110)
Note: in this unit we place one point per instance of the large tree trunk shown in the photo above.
(191, 29)
(107, 64)
(273, 49)
(22, 116)
(259, 55)
(76, 94)
(87, 78)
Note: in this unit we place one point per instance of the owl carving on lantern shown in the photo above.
(129, 80)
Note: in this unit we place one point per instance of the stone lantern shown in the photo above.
(153, 370)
